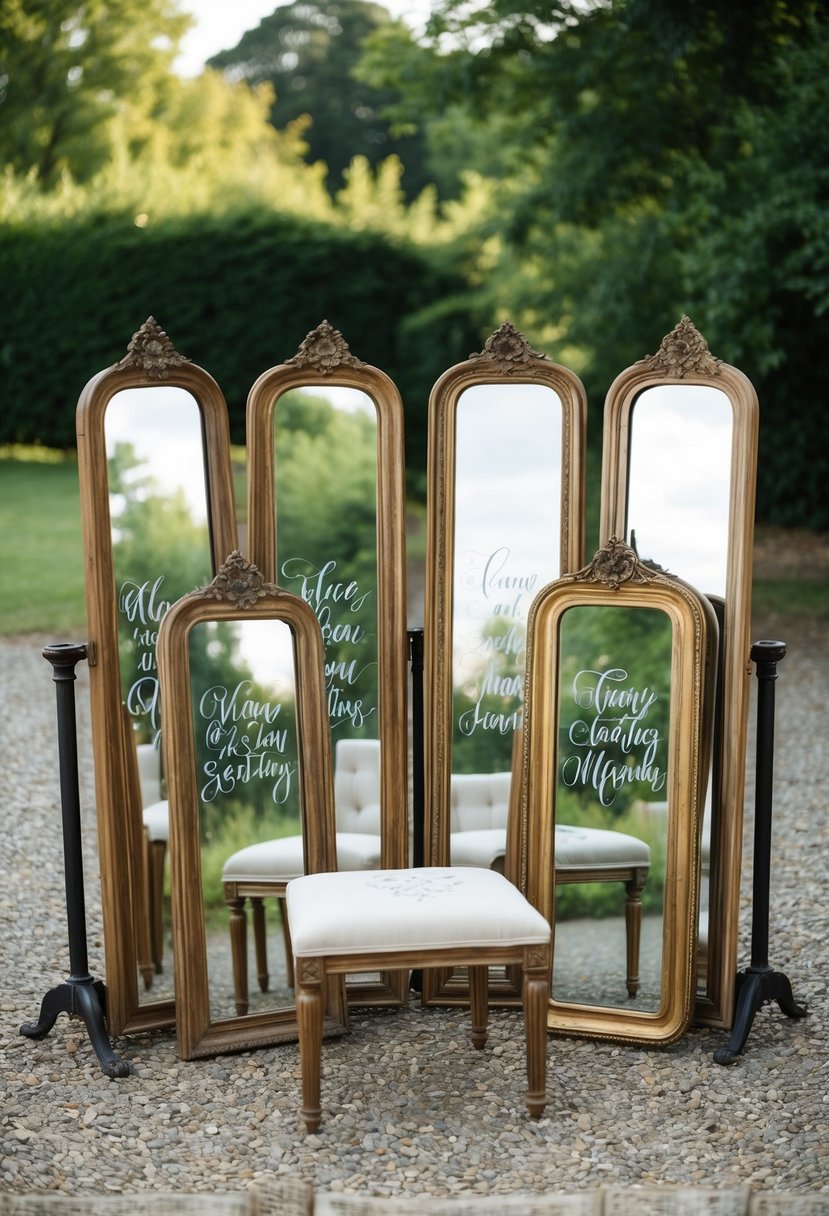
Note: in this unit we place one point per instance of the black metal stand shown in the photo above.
(760, 984)
(81, 995)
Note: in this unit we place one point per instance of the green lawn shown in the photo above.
(41, 553)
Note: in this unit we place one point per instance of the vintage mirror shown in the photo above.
(621, 661)
(326, 518)
(678, 482)
(505, 516)
(158, 518)
(249, 759)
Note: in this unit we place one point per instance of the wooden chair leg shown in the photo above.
(143, 921)
(536, 986)
(633, 931)
(286, 939)
(309, 1008)
(239, 954)
(479, 1004)
(260, 943)
(157, 857)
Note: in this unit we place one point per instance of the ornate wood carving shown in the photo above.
(508, 349)
(683, 352)
(324, 349)
(615, 564)
(309, 970)
(239, 582)
(152, 352)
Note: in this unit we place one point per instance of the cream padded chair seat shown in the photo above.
(281, 860)
(578, 848)
(157, 821)
(389, 910)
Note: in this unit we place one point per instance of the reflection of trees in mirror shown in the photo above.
(614, 673)
(487, 703)
(160, 553)
(326, 542)
(246, 753)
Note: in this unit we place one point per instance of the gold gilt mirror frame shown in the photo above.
(129, 416)
(621, 662)
(678, 481)
(243, 703)
(505, 515)
(324, 374)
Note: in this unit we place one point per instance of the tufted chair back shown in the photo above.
(357, 785)
(480, 801)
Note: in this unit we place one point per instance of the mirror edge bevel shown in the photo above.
(124, 1012)
(715, 1005)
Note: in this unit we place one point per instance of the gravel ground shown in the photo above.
(411, 1107)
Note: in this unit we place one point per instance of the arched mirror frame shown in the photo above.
(238, 593)
(324, 360)
(684, 358)
(615, 578)
(507, 359)
(151, 361)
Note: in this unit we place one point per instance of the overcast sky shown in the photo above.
(221, 23)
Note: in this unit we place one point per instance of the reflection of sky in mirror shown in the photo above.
(507, 500)
(351, 400)
(267, 649)
(679, 481)
(163, 424)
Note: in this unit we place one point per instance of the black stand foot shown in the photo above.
(757, 987)
(82, 999)
(760, 984)
(80, 996)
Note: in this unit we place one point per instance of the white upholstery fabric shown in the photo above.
(149, 773)
(479, 800)
(577, 848)
(157, 820)
(357, 785)
(482, 848)
(387, 910)
(281, 860)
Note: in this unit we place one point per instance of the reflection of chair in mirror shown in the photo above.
(424, 918)
(480, 808)
(155, 816)
(264, 870)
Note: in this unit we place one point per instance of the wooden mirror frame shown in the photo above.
(507, 359)
(324, 360)
(238, 593)
(684, 358)
(615, 578)
(151, 360)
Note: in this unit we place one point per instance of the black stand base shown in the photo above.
(82, 999)
(756, 987)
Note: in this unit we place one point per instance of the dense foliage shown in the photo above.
(599, 171)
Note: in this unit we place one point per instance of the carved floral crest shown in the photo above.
(324, 349)
(615, 564)
(509, 349)
(683, 352)
(239, 582)
(152, 352)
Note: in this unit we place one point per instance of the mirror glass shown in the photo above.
(679, 482)
(679, 513)
(507, 545)
(325, 444)
(242, 681)
(612, 813)
(158, 506)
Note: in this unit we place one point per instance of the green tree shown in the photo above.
(308, 51)
(67, 67)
